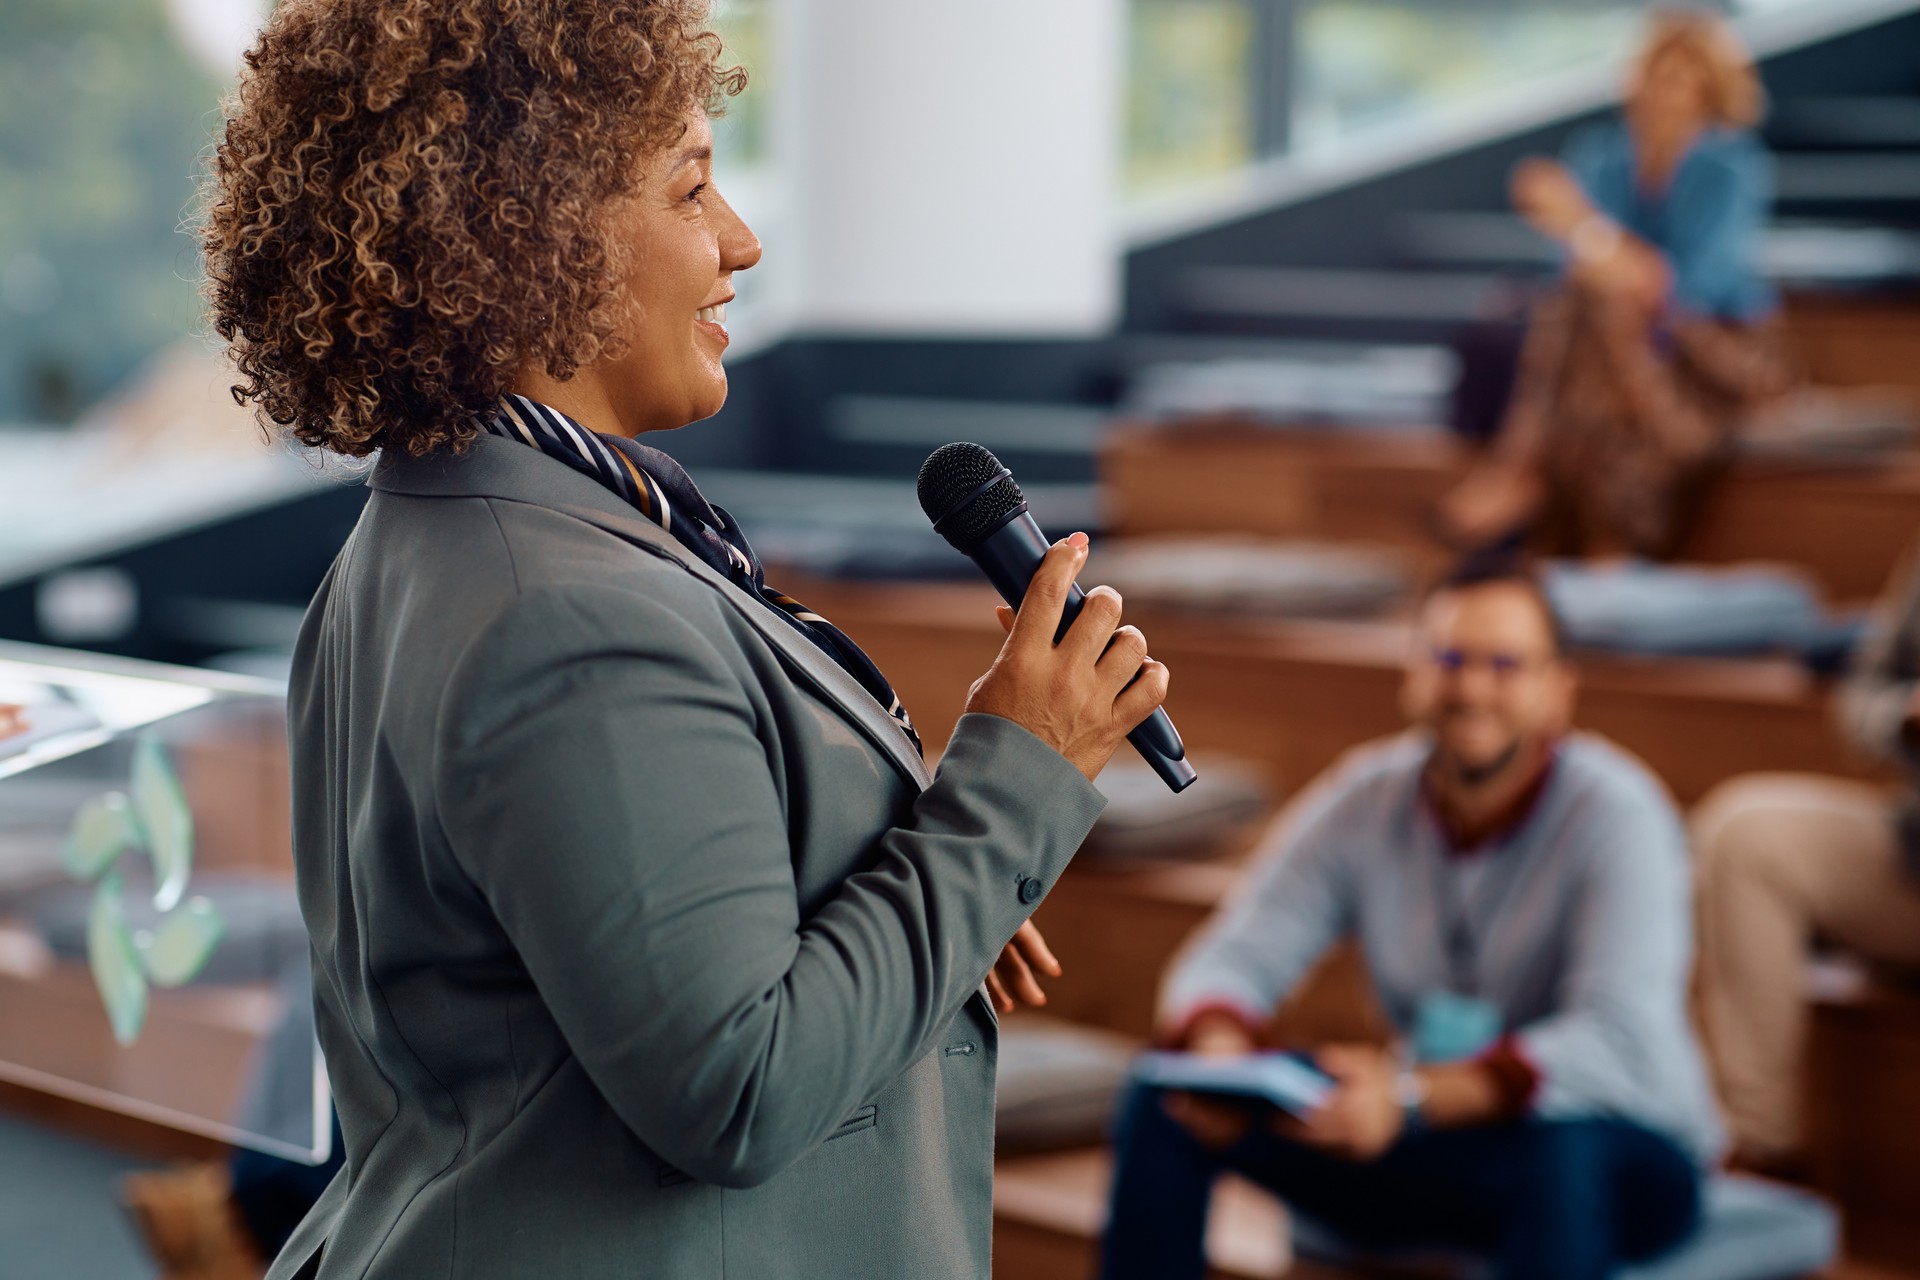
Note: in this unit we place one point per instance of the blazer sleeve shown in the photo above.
(604, 777)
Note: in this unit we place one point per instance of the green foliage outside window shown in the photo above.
(1190, 90)
(740, 136)
(1362, 63)
(103, 118)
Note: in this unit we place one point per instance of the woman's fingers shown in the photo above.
(1121, 662)
(1038, 618)
(1001, 1000)
(1035, 949)
(1099, 617)
(1018, 977)
(1005, 614)
(1139, 700)
(1080, 696)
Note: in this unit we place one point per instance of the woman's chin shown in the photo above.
(712, 401)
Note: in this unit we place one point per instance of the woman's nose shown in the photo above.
(739, 247)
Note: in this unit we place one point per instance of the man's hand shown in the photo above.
(1011, 979)
(1362, 1118)
(1214, 1124)
(1218, 1034)
(1214, 1033)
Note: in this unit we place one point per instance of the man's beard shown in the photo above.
(1478, 775)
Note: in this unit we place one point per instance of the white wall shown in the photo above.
(943, 167)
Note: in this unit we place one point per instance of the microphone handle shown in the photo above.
(1009, 556)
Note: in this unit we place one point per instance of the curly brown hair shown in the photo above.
(409, 201)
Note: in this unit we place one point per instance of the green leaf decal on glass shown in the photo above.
(182, 942)
(101, 832)
(116, 962)
(176, 951)
(161, 805)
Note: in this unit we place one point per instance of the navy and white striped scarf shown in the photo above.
(657, 487)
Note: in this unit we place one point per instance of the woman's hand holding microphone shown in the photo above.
(1080, 696)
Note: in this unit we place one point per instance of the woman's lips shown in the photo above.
(713, 320)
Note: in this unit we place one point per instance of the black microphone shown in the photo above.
(976, 506)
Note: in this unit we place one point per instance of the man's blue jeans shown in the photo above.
(1568, 1199)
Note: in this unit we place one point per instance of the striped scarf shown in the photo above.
(657, 487)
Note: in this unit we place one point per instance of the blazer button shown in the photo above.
(1030, 890)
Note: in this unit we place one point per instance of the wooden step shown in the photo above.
(1850, 341)
(1293, 695)
(1846, 525)
(1863, 1087)
(1049, 1212)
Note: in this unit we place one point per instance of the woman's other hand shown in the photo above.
(1011, 981)
(1494, 500)
(1548, 197)
(1080, 696)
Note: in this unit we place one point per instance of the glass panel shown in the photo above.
(1190, 90)
(1365, 62)
(152, 956)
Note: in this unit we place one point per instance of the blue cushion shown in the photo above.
(1749, 1230)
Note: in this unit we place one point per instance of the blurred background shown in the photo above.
(1235, 285)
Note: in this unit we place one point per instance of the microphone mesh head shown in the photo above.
(948, 476)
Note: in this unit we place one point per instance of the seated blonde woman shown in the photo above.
(1661, 332)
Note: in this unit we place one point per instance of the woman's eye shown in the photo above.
(695, 194)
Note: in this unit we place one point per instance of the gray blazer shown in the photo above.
(643, 943)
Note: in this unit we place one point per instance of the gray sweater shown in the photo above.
(1581, 918)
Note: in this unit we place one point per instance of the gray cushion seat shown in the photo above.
(1058, 1083)
(1750, 1229)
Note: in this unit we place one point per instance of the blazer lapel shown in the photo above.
(493, 467)
(800, 655)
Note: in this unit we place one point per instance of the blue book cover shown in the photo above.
(1286, 1080)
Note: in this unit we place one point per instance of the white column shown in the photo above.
(945, 166)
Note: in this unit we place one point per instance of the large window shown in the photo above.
(1214, 85)
(1361, 63)
(1192, 82)
(105, 107)
(740, 135)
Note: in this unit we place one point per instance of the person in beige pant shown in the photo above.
(1787, 858)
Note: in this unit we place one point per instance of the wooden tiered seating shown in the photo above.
(1846, 525)
(1863, 1088)
(1048, 1212)
(1856, 341)
(1294, 695)
(1117, 927)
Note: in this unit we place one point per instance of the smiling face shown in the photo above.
(1485, 679)
(1672, 96)
(685, 242)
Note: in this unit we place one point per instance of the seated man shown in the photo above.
(1785, 858)
(1520, 894)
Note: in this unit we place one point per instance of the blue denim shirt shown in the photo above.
(1707, 222)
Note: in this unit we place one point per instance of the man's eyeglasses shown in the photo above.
(1502, 665)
